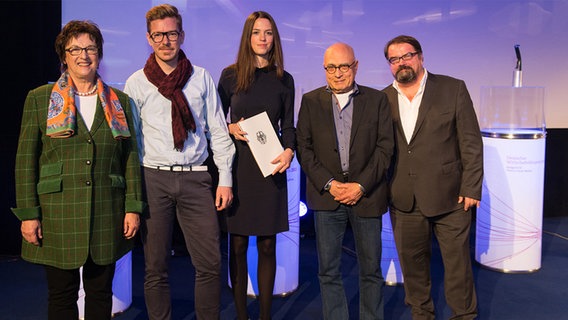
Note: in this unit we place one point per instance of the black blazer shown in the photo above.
(371, 149)
(444, 158)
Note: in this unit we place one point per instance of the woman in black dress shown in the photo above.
(257, 82)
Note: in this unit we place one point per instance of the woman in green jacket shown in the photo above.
(78, 187)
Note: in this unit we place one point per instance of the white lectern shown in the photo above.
(509, 219)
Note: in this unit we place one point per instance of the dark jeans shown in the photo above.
(63, 291)
(187, 196)
(330, 230)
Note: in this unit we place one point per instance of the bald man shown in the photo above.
(345, 144)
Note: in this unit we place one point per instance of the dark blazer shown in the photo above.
(444, 158)
(79, 187)
(371, 148)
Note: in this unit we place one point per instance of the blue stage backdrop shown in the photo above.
(472, 40)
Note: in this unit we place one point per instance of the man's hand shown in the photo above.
(347, 193)
(468, 202)
(223, 198)
(31, 231)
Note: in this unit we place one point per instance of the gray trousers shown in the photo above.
(187, 196)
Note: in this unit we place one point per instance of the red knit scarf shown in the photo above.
(170, 86)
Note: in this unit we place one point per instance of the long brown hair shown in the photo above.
(245, 65)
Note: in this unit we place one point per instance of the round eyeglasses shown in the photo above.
(159, 36)
(342, 67)
(405, 57)
(75, 51)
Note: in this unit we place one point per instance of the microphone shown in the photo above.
(518, 73)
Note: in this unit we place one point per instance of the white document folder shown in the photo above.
(263, 141)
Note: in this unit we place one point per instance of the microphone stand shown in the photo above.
(518, 73)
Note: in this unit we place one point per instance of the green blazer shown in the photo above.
(79, 187)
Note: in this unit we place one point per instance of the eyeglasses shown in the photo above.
(159, 36)
(342, 67)
(406, 57)
(75, 51)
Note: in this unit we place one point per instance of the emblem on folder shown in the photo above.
(261, 137)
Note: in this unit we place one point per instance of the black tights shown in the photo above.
(266, 271)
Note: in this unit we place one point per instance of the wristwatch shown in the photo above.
(328, 185)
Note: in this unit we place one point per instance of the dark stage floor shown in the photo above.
(538, 295)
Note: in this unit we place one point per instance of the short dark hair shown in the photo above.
(73, 29)
(403, 39)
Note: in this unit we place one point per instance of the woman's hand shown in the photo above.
(283, 161)
(31, 231)
(131, 224)
(235, 131)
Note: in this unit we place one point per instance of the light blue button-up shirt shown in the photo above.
(153, 122)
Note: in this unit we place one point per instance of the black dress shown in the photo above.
(260, 205)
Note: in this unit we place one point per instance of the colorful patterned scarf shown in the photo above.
(62, 113)
(170, 86)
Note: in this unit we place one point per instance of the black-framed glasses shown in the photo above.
(330, 68)
(75, 51)
(405, 57)
(159, 36)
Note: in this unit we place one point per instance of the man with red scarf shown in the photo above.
(178, 116)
